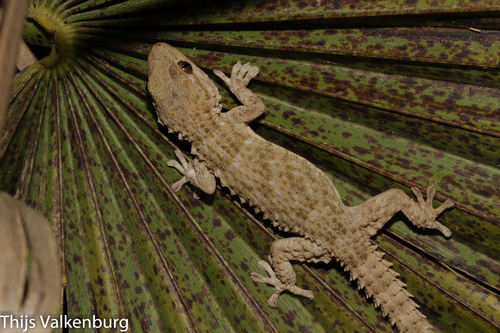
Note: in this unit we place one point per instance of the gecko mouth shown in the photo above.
(185, 66)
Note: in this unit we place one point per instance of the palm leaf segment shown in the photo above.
(379, 95)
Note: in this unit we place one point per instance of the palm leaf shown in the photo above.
(377, 94)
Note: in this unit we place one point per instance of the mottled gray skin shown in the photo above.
(294, 194)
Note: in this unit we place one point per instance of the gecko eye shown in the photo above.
(185, 66)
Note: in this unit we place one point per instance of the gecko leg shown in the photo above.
(283, 277)
(252, 105)
(195, 172)
(375, 212)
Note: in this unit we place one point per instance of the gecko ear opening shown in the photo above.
(185, 66)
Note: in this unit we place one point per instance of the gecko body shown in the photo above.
(290, 191)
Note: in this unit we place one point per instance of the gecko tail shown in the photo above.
(387, 290)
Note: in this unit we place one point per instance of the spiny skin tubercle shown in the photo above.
(289, 190)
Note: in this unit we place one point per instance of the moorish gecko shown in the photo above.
(289, 190)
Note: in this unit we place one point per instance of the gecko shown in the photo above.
(290, 191)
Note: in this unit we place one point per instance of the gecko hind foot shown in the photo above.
(429, 213)
(279, 287)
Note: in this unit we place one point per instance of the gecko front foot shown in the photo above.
(195, 172)
(240, 75)
(279, 287)
(427, 215)
(184, 168)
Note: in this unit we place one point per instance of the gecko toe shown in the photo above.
(236, 69)
(273, 300)
(445, 231)
(258, 278)
(266, 267)
(222, 76)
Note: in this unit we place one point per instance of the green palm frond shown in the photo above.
(377, 94)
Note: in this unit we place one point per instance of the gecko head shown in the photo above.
(177, 84)
(167, 62)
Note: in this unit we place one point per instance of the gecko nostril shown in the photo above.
(185, 66)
